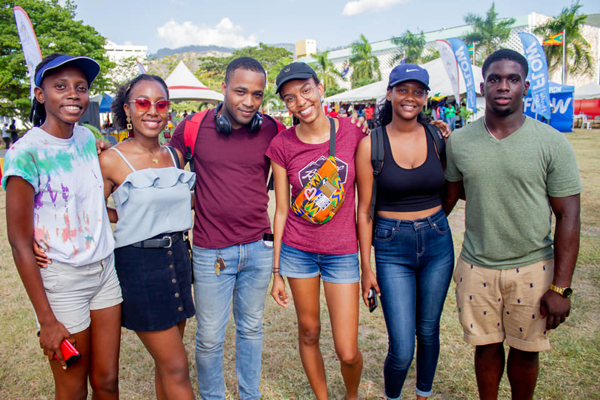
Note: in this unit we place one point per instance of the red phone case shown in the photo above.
(70, 353)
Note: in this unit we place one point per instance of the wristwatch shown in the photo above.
(565, 292)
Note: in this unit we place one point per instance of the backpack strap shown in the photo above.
(331, 138)
(377, 154)
(438, 141)
(190, 134)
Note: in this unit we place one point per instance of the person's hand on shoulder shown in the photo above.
(102, 145)
(444, 127)
(360, 122)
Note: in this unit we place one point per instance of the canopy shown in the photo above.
(183, 85)
(438, 82)
(105, 101)
(589, 91)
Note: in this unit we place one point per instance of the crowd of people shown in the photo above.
(86, 282)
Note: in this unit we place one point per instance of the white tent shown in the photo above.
(589, 91)
(438, 82)
(183, 85)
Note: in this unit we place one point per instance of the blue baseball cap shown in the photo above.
(89, 66)
(409, 72)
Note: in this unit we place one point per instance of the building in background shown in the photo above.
(385, 50)
(306, 48)
(125, 56)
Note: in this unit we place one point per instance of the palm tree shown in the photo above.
(489, 33)
(365, 64)
(326, 71)
(409, 45)
(579, 60)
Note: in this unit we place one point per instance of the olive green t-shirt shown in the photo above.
(507, 184)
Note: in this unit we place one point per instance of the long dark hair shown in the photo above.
(385, 113)
(122, 97)
(37, 115)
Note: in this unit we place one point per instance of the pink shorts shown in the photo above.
(494, 304)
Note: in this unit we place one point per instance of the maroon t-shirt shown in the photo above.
(301, 160)
(231, 183)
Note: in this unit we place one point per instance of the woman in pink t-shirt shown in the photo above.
(305, 251)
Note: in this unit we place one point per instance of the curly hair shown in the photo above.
(37, 114)
(122, 97)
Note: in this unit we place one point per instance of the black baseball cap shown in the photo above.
(295, 70)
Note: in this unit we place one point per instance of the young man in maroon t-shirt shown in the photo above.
(232, 258)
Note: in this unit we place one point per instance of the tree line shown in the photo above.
(58, 30)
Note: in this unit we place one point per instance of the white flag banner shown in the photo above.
(141, 68)
(29, 43)
(450, 65)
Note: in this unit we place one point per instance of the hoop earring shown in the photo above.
(129, 128)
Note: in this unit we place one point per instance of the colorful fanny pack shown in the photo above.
(323, 195)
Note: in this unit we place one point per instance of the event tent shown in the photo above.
(438, 82)
(183, 85)
(105, 101)
(589, 91)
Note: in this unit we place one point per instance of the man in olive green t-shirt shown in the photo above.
(513, 282)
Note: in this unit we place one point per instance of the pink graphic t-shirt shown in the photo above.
(301, 161)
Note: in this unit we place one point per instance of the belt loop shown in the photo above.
(430, 220)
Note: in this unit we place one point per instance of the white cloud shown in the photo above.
(361, 6)
(225, 33)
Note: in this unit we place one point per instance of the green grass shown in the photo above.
(571, 370)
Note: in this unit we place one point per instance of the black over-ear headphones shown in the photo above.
(223, 123)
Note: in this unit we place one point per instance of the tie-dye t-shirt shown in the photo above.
(69, 214)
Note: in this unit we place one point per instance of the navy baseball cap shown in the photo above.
(409, 72)
(295, 70)
(89, 66)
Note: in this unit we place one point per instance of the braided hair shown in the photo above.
(122, 97)
(37, 115)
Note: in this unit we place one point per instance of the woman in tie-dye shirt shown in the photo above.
(54, 196)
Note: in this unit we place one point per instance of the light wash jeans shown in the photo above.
(245, 280)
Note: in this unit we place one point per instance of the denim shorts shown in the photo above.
(75, 291)
(333, 268)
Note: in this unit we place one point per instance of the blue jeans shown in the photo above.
(414, 262)
(245, 279)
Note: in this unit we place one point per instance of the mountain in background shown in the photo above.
(209, 51)
(204, 50)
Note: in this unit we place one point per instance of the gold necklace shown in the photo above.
(154, 158)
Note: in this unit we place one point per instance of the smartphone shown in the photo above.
(372, 297)
(268, 239)
(70, 353)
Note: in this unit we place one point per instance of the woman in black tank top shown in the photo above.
(414, 254)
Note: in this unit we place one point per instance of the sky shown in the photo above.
(332, 23)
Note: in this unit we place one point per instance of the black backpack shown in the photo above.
(377, 154)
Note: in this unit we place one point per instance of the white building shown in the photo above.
(385, 50)
(123, 56)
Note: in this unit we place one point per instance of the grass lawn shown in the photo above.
(571, 370)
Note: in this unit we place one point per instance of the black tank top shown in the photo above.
(404, 190)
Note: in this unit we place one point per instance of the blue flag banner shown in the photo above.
(461, 53)
(538, 74)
